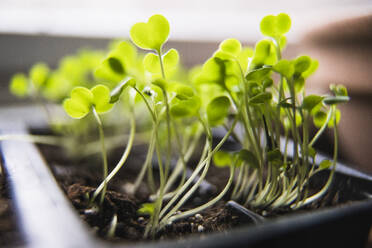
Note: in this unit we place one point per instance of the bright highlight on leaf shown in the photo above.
(82, 100)
(231, 46)
(151, 35)
(275, 26)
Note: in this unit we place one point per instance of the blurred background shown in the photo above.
(338, 33)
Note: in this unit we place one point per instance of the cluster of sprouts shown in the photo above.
(254, 94)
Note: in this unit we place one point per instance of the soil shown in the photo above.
(10, 235)
(79, 179)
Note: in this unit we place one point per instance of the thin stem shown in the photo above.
(104, 159)
(102, 186)
(208, 204)
(329, 181)
(321, 130)
(146, 164)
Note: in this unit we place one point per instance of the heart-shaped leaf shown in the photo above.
(101, 98)
(264, 53)
(284, 67)
(151, 35)
(275, 26)
(78, 105)
(151, 62)
(82, 100)
(231, 46)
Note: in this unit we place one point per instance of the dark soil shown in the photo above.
(79, 179)
(10, 235)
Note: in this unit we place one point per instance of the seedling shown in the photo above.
(235, 89)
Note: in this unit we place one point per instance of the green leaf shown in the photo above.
(332, 100)
(337, 115)
(267, 83)
(319, 118)
(115, 93)
(182, 91)
(151, 63)
(264, 54)
(258, 74)
(275, 26)
(217, 110)
(338, 90)
(222, 159)
(313, 67)
(115, 65)
(284, 67)
(312, 152)
(78, 105)
(231, 46)
(186, 108)
(101, 98)
(325, 164)
(243, 58)
(146, 209)
(299, 84)
(311, 101)
(106, 72)
(248, 157)
(282, 42)
(170, 61)
(283, 23)
(151, 35)
(302, 64)
(39, 74)
(274, 157)
(262, 97)
(161, 83)
(268, 25)
(19, 85)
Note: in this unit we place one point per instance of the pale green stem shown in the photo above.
(102, 186)
(330, 178)
(206, 205)
(104, 159)
(323, 127)
(146, 164)
(198, 168)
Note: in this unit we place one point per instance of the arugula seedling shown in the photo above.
(96, 100)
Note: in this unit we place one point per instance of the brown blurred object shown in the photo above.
(344, 51)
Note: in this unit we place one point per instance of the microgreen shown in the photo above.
(258, 97)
